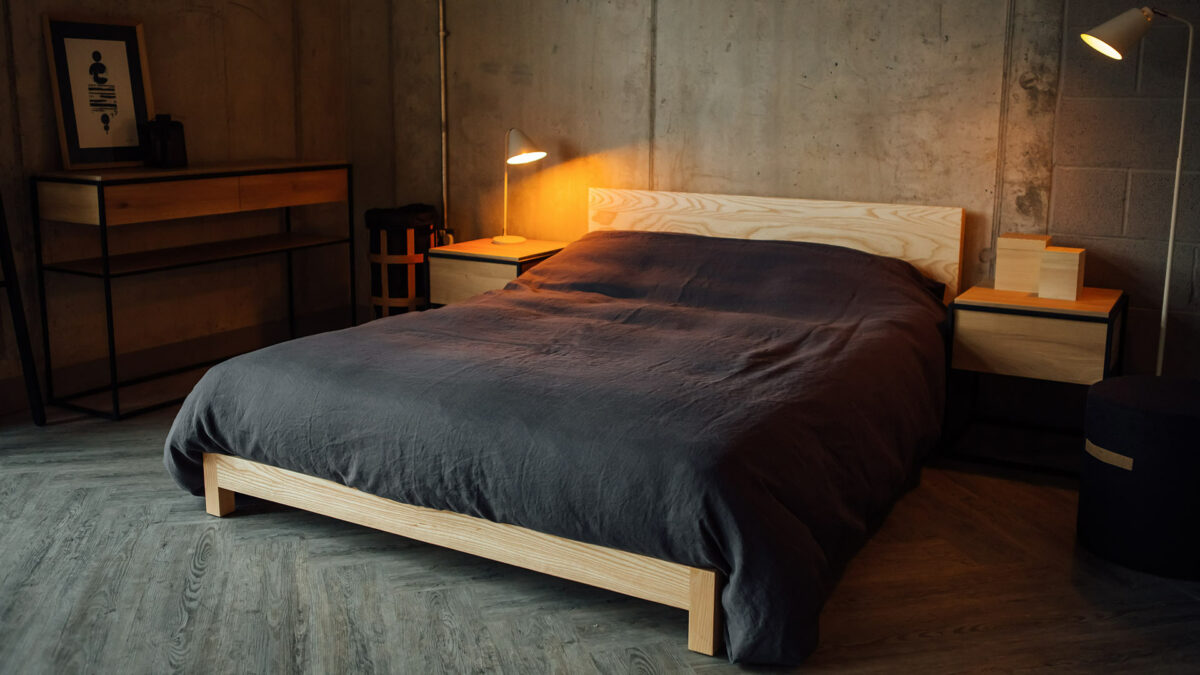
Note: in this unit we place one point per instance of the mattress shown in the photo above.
(749, 406)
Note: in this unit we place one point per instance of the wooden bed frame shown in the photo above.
(928, 237)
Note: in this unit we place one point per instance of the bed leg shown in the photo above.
(704, 612)
(217, 501)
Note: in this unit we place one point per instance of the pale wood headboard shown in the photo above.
(928, 237)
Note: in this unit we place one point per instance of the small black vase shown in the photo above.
(162, 142)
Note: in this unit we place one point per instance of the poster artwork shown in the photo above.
(101, 93)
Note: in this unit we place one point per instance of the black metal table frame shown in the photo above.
(114, 382)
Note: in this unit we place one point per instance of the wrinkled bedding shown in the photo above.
(750, 406)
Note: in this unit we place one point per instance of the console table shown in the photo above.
(112, 197)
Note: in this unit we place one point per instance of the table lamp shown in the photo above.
(1115, 38)
(518, 149)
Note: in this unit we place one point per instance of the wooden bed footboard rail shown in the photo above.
(695, 589)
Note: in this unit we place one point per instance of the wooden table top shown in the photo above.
(484, 248)
(141, 173)
(1092, 301)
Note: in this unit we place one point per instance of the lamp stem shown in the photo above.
(445, 129)
(1187, 74)
(504, 225)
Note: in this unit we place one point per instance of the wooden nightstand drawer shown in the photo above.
(1012, 333)
(1044, 348)
(454, 279)
(464, 270)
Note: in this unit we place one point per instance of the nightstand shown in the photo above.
(461, 271)
(1016, 333)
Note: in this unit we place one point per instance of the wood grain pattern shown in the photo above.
(486, 250)
(145, 202)
(187, 197)
(968, 569)
(1044, 348)
(1019, 261)
(293, 188)
(217, 501)
(1097, 302)
(928, 237)
(69, 202)
(642, 577)
(1061, 276)
(453, 280)
(704, 612)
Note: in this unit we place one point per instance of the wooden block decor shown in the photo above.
(1019, 261)
(1061, 276)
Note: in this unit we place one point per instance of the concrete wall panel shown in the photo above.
(1031, 85)
(416, 105)
(892, 102)
(575, 77)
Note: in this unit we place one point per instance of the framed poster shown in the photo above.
(101, 86)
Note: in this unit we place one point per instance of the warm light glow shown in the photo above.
(528, 157)
(549, 200)
(1101, 46)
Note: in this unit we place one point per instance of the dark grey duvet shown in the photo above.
(749, 406)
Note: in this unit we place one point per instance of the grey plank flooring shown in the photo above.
(106, 567)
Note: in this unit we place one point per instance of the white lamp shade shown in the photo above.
(521, 149)
(1119, 35)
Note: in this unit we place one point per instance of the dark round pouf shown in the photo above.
(1147, 516)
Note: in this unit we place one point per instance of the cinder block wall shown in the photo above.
(1116, 134)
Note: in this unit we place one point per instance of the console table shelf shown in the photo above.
(114, 197)
(142, 262)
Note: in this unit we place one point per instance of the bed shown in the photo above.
(708, 402)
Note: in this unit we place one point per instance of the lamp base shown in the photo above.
(508, 239)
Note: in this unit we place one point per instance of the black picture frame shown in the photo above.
(99, 128)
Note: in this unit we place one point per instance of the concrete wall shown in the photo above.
(894, 101)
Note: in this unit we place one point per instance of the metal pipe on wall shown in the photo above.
(445, 133)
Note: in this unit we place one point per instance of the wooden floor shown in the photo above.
(106, 567)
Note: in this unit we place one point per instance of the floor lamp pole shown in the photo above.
(1187, 74)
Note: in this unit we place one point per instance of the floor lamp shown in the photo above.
(1115, 38)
